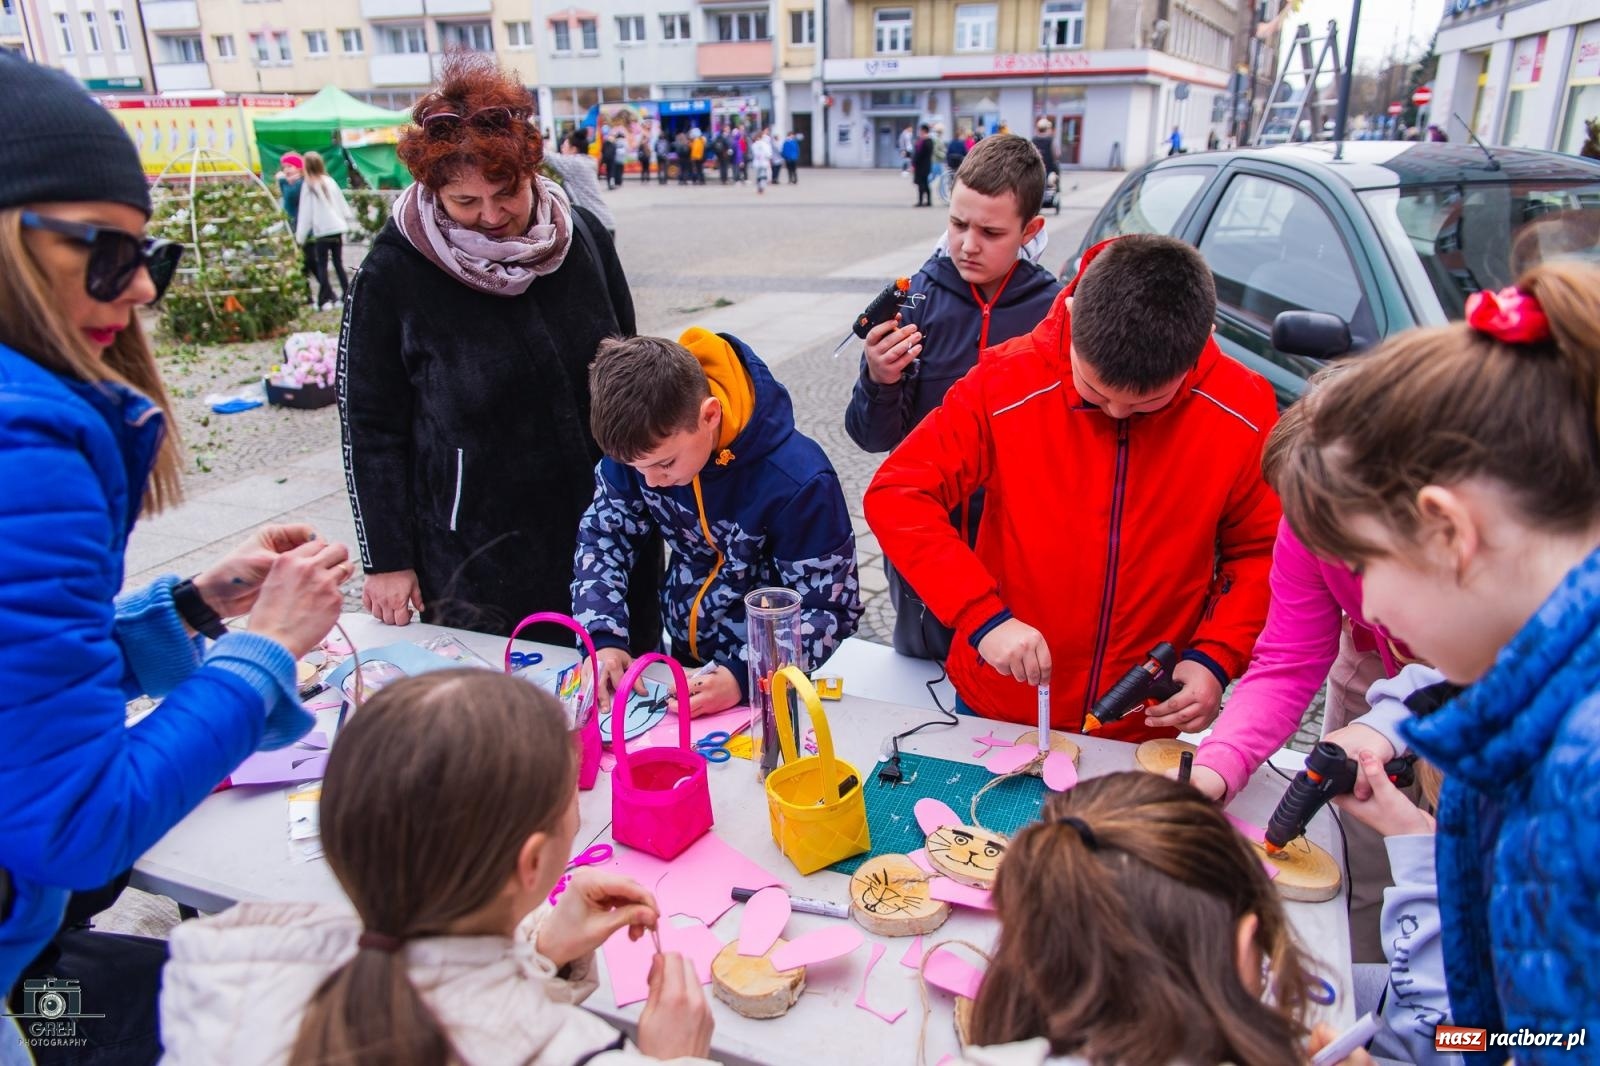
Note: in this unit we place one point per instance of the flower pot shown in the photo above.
(305, 397)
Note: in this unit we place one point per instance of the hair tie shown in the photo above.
(379, 942)
(1083, 830)
(1509, 316)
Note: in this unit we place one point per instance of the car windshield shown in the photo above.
(1473, 236)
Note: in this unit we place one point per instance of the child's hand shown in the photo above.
(1378, 804)
(1356, 738)
(890, 349)
(713, 692)
(1195, 705)
(594, 905)
(676, 1021)
(613, 663)
(1018, 651)
(1323, 1034)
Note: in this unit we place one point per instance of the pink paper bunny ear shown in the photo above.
(956, 976)
(1059, 773)
(818, 946)
(932, 814)
(1010, 760)
(765, 915)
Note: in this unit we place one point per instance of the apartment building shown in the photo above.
(1113, 78)
(100, 42)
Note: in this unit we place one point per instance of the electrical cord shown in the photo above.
(889, 772)
(1344, 841)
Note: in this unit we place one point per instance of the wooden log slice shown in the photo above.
(1306, 872)
(751, 986)
(889, 896)
(966, 853)
(1058, 742)
(963, 1019)
(1160, 756)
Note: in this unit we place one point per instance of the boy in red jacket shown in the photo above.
(1121, 452)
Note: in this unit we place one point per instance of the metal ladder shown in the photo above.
(1294, 94)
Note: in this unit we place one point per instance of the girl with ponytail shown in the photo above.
(1138, 928)
(1457, 470)
(448, 813)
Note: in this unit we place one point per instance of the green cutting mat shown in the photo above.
(1006, 808)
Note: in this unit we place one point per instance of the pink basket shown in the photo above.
(587, 731)
(660, 797)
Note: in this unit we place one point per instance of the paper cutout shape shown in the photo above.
(861, 997)
(952, 974)
(1059, 772)
(699, 883)
(989, 742)
(1272, 871)
(628, 961)
(913, 956)
(920, 857)
(409, 659)
(932, 814)
(644, 713)
(942, 888)
(765, 915)
(305, 760)
(817, 946)
(1011, 756)
(1253, 833)
(665, 733)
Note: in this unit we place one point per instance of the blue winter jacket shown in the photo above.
(776, 515)
(82, 793)
(1519, 828)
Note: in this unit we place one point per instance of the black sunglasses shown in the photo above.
(115, 255)
(445, 125)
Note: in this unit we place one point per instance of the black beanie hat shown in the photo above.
(59, 145)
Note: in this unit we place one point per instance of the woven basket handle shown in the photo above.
(619, 708)
(782, 681)
(588, 646)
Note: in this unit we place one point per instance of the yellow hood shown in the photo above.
(729, 380)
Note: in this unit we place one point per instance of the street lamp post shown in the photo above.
(1044, 105)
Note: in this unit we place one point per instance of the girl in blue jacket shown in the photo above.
(84, 448)
(1458, 470)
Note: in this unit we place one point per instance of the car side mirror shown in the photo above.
(1315, 334)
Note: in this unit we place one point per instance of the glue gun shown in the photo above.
(1329, 772)
(1145, 685)
(883, 307)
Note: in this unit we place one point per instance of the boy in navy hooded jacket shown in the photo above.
(700, 443)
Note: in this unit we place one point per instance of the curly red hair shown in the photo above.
(469, 83)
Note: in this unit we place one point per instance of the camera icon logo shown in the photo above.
(51, 998)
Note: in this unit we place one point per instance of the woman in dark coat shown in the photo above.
(463, 385)
(922, 167)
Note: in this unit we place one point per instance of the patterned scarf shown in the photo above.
(499, 266)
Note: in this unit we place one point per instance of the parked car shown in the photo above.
(1319, 249)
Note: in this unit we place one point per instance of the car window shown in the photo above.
(1273, 248)
(1152, 204)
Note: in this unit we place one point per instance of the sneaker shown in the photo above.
(329, 306)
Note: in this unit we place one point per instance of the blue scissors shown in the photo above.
(521, 659)
(713, 747)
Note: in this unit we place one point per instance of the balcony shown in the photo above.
(392, 9)
(413, 68)
(162, 15)
(735, 59)
(446, 8)
(179, 77)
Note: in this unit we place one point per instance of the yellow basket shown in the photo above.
(811, 824)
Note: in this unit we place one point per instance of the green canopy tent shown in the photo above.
(316, 125)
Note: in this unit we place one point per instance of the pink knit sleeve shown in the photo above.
(1292, 657)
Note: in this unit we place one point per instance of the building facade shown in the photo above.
(1113, 79)
(99, 42)
(1523, 74)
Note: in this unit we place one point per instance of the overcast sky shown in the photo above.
(1385, 24)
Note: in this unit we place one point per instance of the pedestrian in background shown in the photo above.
(324, 218)
(791, 157)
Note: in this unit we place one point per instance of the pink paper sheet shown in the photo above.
(665, 733)
(953, 974)
(305, 760)
(861, 997)
(913, 956)
(1060, 775)
(699, 883)
(628, 961)
(819, 945)
(920, 857)
(763, 920)
(948, 891)
(1272, 871)
(1253, 833)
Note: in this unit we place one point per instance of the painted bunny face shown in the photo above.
(967, 847)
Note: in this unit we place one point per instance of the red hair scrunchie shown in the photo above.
(1509, 316)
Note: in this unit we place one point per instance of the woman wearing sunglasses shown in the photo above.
(85, 447)
(464, 392)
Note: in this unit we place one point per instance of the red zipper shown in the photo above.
(1113, 546)
(986, 307)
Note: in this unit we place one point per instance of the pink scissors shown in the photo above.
(595, 856)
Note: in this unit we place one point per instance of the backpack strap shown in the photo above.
(580, 229)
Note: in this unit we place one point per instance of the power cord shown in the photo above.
(890, 772)
(1344, 841)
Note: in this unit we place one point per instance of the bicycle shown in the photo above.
(946, 185)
